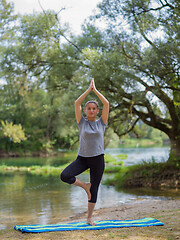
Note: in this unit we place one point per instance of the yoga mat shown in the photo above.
(144, 222)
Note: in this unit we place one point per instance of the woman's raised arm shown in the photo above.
(78, 108)
(105, 102)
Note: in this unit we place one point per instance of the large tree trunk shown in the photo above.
(174, 155)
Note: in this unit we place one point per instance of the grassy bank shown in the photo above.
(53, 166)
(149, 174)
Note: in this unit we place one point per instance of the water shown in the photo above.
(31, 199)
(134, 155)
(137, 155)
(27, 199)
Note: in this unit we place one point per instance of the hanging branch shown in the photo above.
(61, 33)
(127, 130)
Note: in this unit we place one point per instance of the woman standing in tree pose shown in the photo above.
(91, 147)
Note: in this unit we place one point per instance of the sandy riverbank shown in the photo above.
(134, 210)
(167, 212)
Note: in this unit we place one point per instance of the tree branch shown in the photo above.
(157, 91)
(153, 9)
(61, 32)
(142, 32)
(67, 39)
(128, 130)
(154, 120)
(172, 88)
(156, 124)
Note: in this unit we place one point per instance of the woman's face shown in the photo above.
(91, 111)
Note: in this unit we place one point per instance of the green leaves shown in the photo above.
(140, 64)
(6, 19)
(37, 70)
(13, 131)
(135, 63)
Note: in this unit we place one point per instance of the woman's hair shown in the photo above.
(92, 101)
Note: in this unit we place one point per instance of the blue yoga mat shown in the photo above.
(144, 222)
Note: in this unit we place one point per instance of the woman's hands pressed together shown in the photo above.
(92, 86)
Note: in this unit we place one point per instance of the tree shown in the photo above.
(7, 18)
(139, 70)
(36, 71)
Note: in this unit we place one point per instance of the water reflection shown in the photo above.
(134, 155)
(137, 155)
(27, 199)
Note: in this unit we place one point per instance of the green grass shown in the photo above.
(51, 166)
(112, 165)
(146, 174)
(60, 159)
(121, 156)
(35, 170)
(111, 160)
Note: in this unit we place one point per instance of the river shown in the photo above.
(137, 155)
(31, 199)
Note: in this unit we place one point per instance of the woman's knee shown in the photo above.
(64, 177)
(67, 178)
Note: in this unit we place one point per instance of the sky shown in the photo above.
(75, 13)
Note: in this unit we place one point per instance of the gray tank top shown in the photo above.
(91, 137)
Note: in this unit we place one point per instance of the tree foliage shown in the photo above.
(139, 69)
(36, 70)
(14, 132)
(135, 63)
(7, 19)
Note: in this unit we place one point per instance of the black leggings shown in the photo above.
(96, 165)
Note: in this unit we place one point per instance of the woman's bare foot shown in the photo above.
(90, 222)
(87, 189)
(85, 186)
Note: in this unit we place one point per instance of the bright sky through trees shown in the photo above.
(76, 11)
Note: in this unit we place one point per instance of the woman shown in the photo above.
(91, 147)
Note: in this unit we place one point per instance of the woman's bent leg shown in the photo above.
(74, 169)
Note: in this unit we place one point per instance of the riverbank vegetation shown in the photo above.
(147, 174)
(53, 166)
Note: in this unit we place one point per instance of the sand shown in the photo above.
(167, 211)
